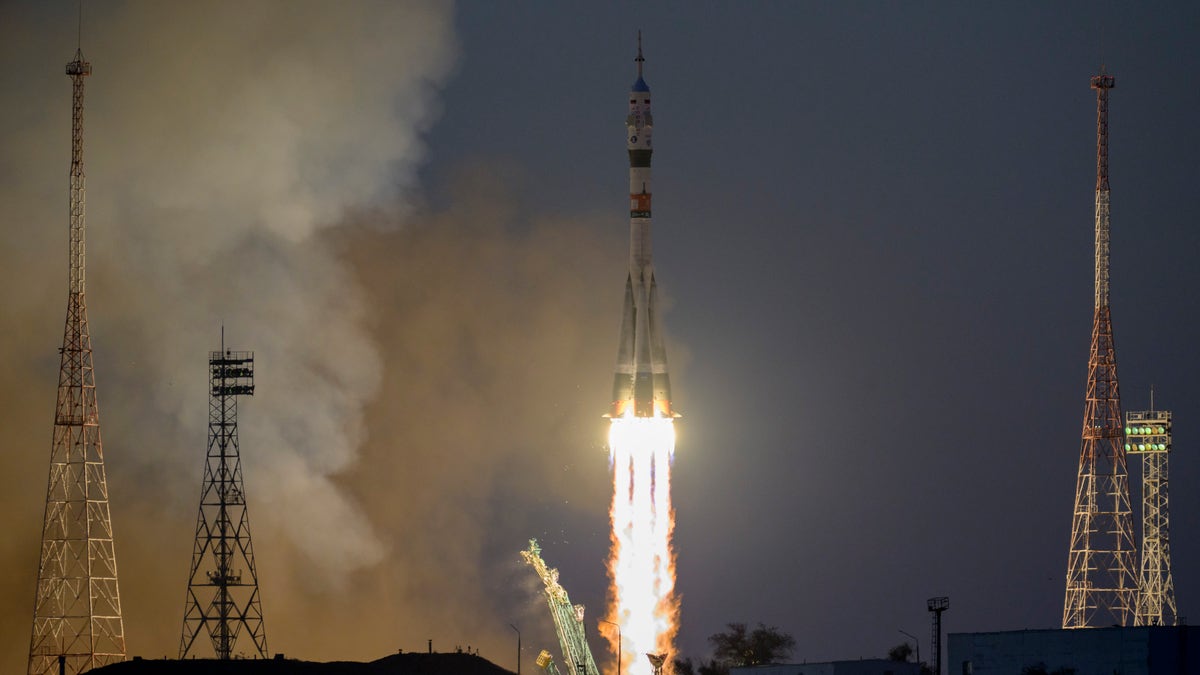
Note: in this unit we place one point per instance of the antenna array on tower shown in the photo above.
(222, 594)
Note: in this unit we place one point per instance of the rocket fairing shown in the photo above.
(641, 385)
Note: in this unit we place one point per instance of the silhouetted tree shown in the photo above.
(900, 652)
(739, 647)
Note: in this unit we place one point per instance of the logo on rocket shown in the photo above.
(641, 385)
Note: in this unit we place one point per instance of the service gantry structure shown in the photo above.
(1101, 586)
(1148, 433)
(77, 621)
(568, 619)
(222, 595)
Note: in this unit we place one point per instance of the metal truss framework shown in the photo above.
(222, 594)
(77, 611)
(1148, 433)
(1101, 587)
(568, 618)
(936, 607)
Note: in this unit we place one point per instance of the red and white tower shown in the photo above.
(77, 614)
(1101, 568)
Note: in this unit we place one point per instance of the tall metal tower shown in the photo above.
(1148, 433)
(1101, 586)
(77, 613)
(568, 618)
(936, 607)
(222, 594)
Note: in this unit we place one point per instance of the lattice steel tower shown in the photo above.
(1101, 586)
(568, 618)
(77, 613)
(936, 607)
(222, 594)
(1148, 433)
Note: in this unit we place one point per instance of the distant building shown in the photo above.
(1141, 650)
(860, 667)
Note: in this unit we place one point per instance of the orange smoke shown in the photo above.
(641, 567)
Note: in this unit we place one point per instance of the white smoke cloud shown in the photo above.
(221, 139)
(428, 382)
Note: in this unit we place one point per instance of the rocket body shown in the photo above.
(641, 385)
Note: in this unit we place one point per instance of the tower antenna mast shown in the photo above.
(222, 594)
(77, 621)
(1101, 586)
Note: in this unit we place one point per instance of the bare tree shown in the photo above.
(741, 647)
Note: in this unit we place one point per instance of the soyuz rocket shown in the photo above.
(641, 386)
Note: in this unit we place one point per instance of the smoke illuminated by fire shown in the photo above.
(642, 597)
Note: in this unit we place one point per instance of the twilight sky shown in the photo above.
(873, 226)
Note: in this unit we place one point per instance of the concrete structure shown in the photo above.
(860, 667)
(1141, 650)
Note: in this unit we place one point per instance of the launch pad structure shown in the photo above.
(1148, 433)
(1101, 586)
(77, 622)
(222, 594)
(568, 619)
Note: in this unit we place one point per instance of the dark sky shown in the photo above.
(873, 225)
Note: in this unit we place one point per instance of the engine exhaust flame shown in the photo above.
(641, 569)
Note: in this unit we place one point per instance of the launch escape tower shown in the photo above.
(568, 619)
(1101, 587)
(77, 612)
(222, 593)
(1148, 433)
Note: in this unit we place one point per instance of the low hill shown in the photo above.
(416, 663)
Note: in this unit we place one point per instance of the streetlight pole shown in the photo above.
(618, 643)
(518, 647)
(914, 639)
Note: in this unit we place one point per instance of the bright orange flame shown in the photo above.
(641, 566)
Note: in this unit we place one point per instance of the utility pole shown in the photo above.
(915, 642)
(618, 627)
(518, 647)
